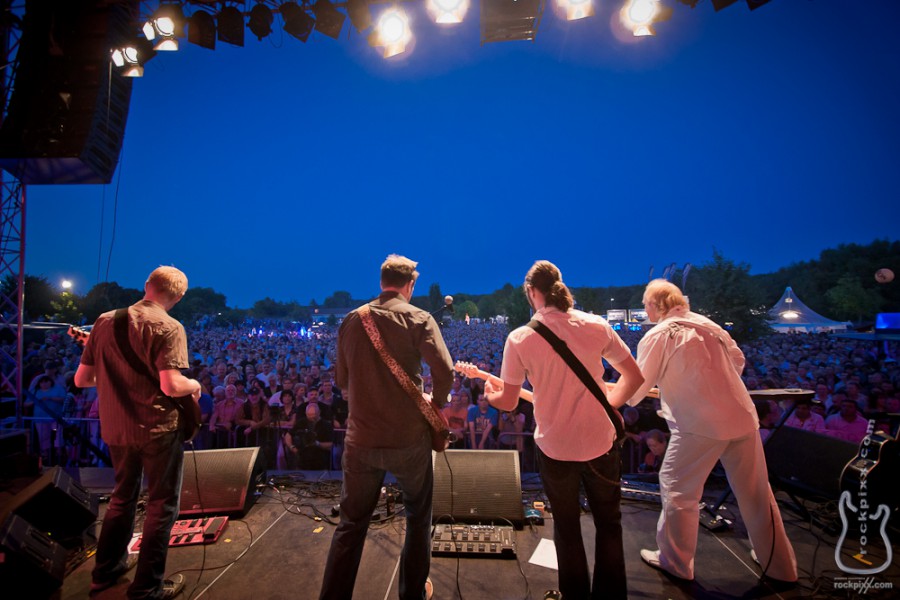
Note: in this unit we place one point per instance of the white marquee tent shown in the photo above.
(790, 315)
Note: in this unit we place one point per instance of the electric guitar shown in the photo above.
(473, 372)
(189, 417)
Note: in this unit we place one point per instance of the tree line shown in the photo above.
(840, 285)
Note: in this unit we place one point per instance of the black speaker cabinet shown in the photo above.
(221, 482)
(55, 504)
(807, 464)
(66, 117)
(29, 560)
(478, 486)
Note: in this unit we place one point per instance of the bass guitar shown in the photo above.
(473, 372)
(189, 417)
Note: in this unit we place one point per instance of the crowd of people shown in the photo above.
(271, 383)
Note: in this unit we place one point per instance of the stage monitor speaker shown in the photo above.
(29, 560)
(66, 117)
(478, 486)
(221, 482)
(57, 505)
(808, 464)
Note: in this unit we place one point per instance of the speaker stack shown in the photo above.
(39, 527)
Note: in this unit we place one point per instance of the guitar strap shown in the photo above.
(581, 371)
(397, 371)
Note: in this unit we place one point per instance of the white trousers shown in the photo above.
(688, 462)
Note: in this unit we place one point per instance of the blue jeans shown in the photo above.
(601, 480)
(161, 461)
(364, 471)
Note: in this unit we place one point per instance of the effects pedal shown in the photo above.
(474, 541)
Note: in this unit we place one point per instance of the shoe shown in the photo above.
(429, 589)
(131, 562)
(651, 557)
(172, 587)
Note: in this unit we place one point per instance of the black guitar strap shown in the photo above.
(581, 371)
(120, 326)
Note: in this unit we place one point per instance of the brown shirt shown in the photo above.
(382, 415)
(133, 410)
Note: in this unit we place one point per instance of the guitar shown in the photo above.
(189, 417)
(473, 372)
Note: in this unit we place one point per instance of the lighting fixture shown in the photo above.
(231, 26)
(129, 58)
(297, 21)
(392, 32)
(329, 20)
(260, 21)
(447, 11)
(165, 26)
(358, 11)
(576, 9)
(202, 30)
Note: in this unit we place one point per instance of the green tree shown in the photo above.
(853, 301)
(39, 296)
(724, 292)
(267, 308)
(66, 309)
(338, 300)
(198, 301)
(466, 307)
(106, 296)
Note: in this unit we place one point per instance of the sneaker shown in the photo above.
(172, 587)
(651, 557)
(429, 589)
(130, 562)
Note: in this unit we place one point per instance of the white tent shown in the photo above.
(790, 315)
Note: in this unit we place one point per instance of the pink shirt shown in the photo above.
(814, 423)
(571, 424)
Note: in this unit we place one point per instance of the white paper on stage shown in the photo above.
(544, 555)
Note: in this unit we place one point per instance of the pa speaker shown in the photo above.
(55, 504)
(221, 482)
(478, 486)
(66, 117)
(807, 464)
(29, 560)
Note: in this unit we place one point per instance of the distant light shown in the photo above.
(66, 284)
(790, 314)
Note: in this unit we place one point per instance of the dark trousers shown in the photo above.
(160, 460)
(364, 471)
(600, 479)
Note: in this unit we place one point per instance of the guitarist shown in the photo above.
(142, 428)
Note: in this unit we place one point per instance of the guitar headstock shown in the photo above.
(78, 334)
(469, 370)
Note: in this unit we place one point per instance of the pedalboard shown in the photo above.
(474, 541)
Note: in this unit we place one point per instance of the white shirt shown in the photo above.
(814, 422)
(697, 367)
(571, 424)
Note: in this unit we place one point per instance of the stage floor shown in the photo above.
(278, 551)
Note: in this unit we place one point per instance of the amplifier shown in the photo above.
(474, 540)
(188, 532)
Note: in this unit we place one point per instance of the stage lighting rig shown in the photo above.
(392, 32)
(130, 58)
(165, 26)
(329, 20)
(510, 20)
(447, 11)
(576, 9)
(202, 30)
(360, 17)
(231, 26)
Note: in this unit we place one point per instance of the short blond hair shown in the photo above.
(397, 271)
(665, 295)
(168, 281)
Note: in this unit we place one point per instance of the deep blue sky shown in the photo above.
(291, 170)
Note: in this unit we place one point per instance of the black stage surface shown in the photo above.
(277, 550)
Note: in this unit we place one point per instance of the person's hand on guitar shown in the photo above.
(490, 387)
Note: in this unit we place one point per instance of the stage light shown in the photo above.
(260, 21)
(754, 4)
(166, 24)
(720, 4)
(510, 20)
(790, 314)
(231, 26)
(296, 21)
(640, 15)
(576, 9)
(392, 32)
(329, 20)
(202, 30)
(358, 11)
(130, 58)
(447, 11)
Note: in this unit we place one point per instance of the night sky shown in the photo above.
(291, 170)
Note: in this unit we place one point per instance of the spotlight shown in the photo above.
(358, 11)
(167, 24)
(260, 21)
(202, 30)
(447, 11)
(231, 26)
(296, 21)
(576, 9)
(720, 4)
(640, 15)
(392, 32)
(329, 20)
(754, 4)
(130, 58)
(510, 20)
